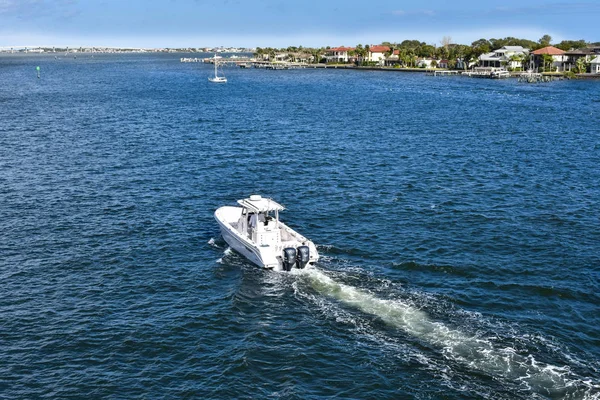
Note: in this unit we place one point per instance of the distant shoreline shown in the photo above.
(60, 55)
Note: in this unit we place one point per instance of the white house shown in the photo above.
(377, 54)
(595, 65)
(338, 54)
(426, 62)
(503, 57)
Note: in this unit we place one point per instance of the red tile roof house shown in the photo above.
(338, 54)
(558, 58)
(377, 54)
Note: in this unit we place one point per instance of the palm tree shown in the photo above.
(517, 58)
(351, 54)
(469, 58)
(581, 65)
(403, 57)
(316, 53)
(410, 54)
(360, 52)
(547, 59)
(525, 61)
(387, 54)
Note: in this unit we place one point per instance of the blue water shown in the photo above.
(457, 221)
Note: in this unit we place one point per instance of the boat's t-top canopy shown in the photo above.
(258, 204)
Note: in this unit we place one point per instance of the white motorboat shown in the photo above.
(217, 78)
(255, 231)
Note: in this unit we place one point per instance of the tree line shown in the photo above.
(410, 50)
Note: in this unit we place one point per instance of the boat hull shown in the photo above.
(225, 216)
(247, 250)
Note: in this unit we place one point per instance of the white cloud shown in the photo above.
(7, 5)
(403, 13)
(27, 9)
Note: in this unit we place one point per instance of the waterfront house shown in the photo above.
(506, 56)
(426, 62)
(338, 54)
(595, 65)
(302, 57)
(377, 54)
(393, 59)
(572, 56)
(558, 58)
(586, 53)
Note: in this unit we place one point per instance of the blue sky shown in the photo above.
(282, 23)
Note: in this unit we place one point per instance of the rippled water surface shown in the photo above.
(457, 220)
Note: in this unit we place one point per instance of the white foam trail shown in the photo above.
(475, 352)
(226, 252)
(212, 242)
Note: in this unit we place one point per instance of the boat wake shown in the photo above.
(212, 242)
(474, 351)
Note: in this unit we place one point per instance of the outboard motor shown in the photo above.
(289, 258)
(302, 256)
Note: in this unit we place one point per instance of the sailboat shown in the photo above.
(217, 78)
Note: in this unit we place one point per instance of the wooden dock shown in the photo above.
(443, 72)
(245, 62)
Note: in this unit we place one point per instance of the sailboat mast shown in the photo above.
(215, 62)
(216, 78)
